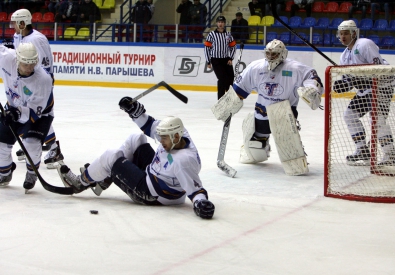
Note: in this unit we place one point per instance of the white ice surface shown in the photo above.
(265, 221)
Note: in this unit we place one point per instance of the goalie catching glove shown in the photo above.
(135, 109)
(204, 209)
(311, 93)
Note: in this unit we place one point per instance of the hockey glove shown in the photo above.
(204, 209)
(134, 110)
(310, 96)
(341, 86)
(12, 114)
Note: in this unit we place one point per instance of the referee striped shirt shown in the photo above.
(219, 45)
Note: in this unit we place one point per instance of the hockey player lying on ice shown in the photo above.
(164, 177)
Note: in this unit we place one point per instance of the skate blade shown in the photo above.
(55, 165)
(359, 163)
(21, 158)
(26, 191)
(4, 184)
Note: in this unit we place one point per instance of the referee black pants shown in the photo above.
(224, 73)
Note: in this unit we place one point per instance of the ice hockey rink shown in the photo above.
(265, 221)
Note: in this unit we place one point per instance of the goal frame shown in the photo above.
(373, 162)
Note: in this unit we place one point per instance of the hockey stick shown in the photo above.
(180, 96)
(46, 185)
(229, 171)
(275, 15)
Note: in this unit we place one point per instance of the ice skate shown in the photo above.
(30, 181)
(70, 179)
(100, 185)
(5, 180)
(360, 157)
(54, 157)
(20, 155)
(388, 159)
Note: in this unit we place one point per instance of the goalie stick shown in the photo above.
(46, 185)
(275, 15)
(229, 171)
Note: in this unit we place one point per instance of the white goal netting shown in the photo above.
(360, 109)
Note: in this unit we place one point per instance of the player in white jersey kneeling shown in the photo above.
(163, 178)
(279, 82)
(364, 51)
(29, 109)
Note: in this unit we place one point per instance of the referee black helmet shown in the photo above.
(221, 18)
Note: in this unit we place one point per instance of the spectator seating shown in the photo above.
(295, 21)
(335, 23)
(296, 40)
(267, 21)
(327, 39)
(3, 16)
(254, 20)
(331, 7)
(170, 32)
(344, 7)
(256, 37)
(356, 21)
(82, 34)
(9, 33)
(69, 33)
(388, 42)
(270, 36)
(107, 4)
(391, 26)
(308, 22)
(317, 39)
(318, 7)
(288, 5)
(365, 24)
(37, 17)
(278, 24)
(48, 17)
(322, 23)
(9, 17)
(336, 41)
(99, 3)
(380, 25)
(285, 37)
(375, 38)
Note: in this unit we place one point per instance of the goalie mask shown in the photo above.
(275, 53)
(169, 127)
(348, 25)
(26, 53)
(22, 15)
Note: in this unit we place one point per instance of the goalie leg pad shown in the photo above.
(287, 138)
(228, 104)
(251, 151)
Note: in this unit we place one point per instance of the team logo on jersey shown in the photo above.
(271, 89)
(12, 94)
(26, 91)
(286, 73)
(356, 51)
(186, 66)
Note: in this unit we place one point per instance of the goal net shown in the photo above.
(366, 176)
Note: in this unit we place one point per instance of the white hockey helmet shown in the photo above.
(169, 127)
(275, 53)
(347, 25)
(22, 15)
(26, 53)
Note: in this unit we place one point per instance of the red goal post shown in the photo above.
(368, 181)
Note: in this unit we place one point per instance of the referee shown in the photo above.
(219, 50)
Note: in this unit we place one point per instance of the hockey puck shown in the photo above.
(95, 212)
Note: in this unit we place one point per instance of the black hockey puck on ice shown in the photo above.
(94, 212)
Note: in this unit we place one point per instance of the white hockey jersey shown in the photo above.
(41, 43)
(273, 86)
(364, 51)
(172, 176)
(33, 93)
